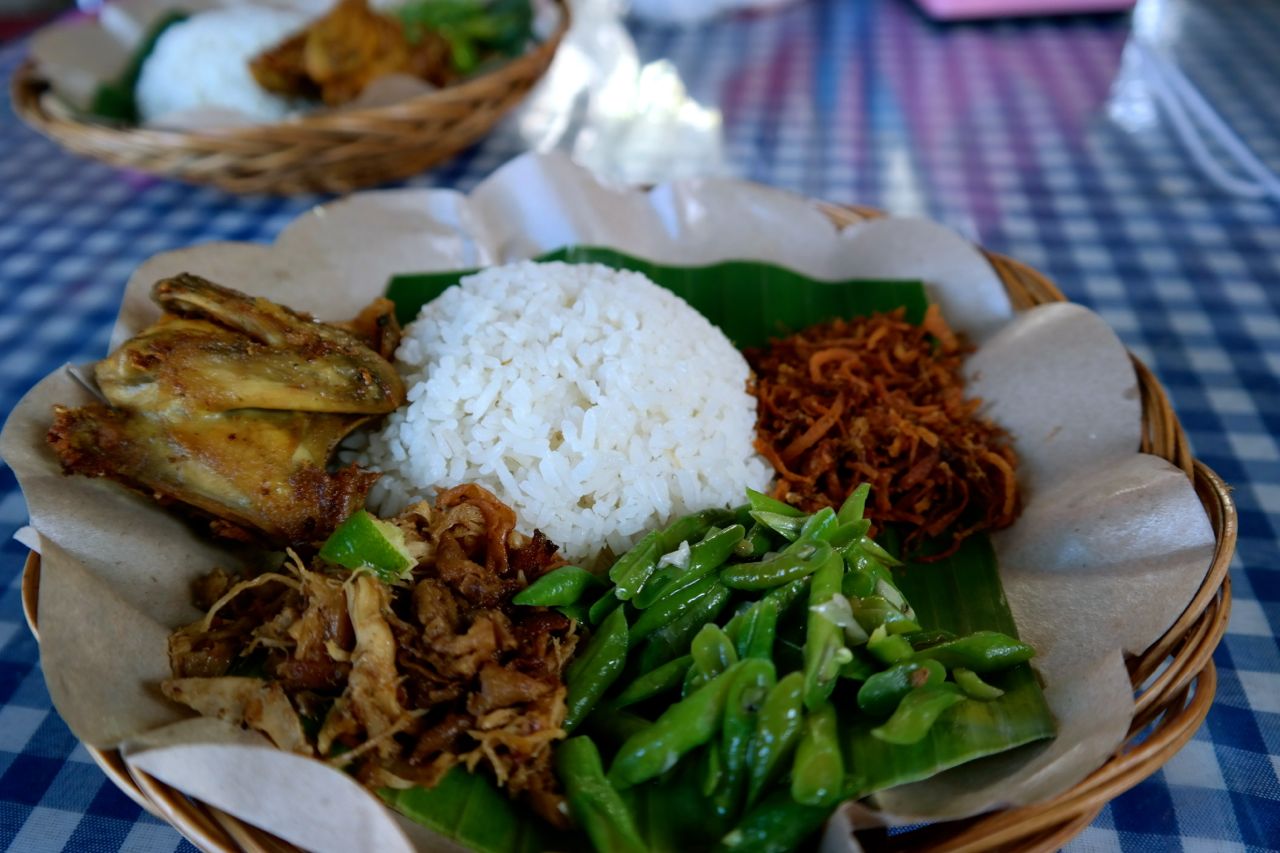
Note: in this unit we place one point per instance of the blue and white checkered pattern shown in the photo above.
(1013, 132)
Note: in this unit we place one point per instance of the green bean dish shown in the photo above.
(749, 670)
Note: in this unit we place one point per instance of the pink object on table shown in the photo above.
(952, 10)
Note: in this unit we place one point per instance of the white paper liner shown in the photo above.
(1104, 558)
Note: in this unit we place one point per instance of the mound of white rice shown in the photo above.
(203, 63)
(596, 403)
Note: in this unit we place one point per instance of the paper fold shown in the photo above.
(1104, 559)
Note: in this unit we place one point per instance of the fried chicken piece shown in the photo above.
(233, 405)
(343, 51)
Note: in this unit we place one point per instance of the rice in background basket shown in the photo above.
(203, 63)
(595, 402)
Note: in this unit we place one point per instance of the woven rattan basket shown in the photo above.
(1174, 680)
(326, 152)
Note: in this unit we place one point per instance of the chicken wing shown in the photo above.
(233, 406)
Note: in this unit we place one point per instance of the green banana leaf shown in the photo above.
(961, 594)
(750, 302)
(753, 302)
(115, 99)
(469, 809)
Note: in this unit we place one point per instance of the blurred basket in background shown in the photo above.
(334, 152)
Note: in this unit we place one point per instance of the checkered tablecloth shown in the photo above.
(1016, 133)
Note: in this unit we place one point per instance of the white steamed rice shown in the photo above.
(596, 403)
(203, 63)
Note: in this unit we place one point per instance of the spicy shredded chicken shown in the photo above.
(880, 400)
(396, 683)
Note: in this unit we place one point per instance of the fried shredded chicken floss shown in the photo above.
(880, 400)
(394, 683)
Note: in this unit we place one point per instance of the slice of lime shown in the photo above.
(368, 543)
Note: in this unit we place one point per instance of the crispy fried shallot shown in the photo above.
(395, 683)
(880, 400)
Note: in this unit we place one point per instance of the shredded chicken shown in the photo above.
(880, 400)
(395, 683)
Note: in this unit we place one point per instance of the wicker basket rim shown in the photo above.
(1168, 709)
(27, 75)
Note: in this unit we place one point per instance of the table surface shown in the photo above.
(1019, 134)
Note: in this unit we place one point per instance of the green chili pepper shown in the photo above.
(635, 566)
(854, 505)
(653, 683)
(595, 669)
(889, 648)
(824, 649)
(705, 557)
(687, 724)
(917, 712)
(746, 695)
(759, 628)
(820, 525)
(593, 802)
(817, 775)
(785, 567)
(882, 692)
(755, 544)
(777, 825)
(671, 607)
(563, 586)
(973, 685)
(672, 640)
(777, 730)
(981, 651)
(786, 526)
(761, 502)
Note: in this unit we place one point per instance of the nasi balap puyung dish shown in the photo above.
(265, 63)
(581, 548)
